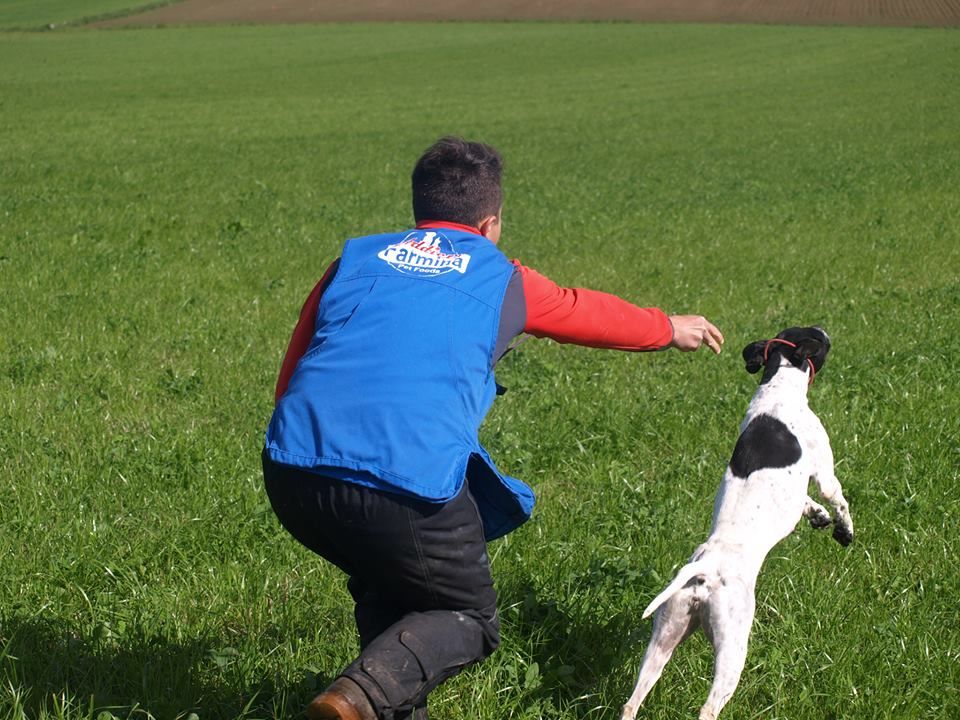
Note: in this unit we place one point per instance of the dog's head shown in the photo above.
(802, 346)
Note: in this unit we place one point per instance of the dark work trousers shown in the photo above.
(418, 572)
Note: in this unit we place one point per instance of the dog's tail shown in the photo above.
(686, 574)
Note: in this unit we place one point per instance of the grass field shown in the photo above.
(44, 14)
(168, 198)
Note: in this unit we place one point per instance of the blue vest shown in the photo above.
(399, 374)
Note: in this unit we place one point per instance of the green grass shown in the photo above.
(51, 14)
(168, 198)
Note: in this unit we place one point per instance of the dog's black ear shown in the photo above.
(753, 355)
(809, 343)
(811, 348)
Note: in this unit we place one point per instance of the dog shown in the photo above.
(763, 495)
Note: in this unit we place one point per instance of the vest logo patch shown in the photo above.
(424, 253)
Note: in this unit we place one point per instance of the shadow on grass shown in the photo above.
(576, 645)
(46, 665)
(578, 649)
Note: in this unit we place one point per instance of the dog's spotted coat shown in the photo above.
(782, 448)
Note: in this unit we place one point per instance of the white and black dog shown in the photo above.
(781, 448)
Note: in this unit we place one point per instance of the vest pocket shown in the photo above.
(335, 316)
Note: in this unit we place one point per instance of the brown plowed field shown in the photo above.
(806, 12)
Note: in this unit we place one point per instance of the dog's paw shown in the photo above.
(843, 534)
(820, 519)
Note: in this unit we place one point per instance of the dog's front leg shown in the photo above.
(817, 514)
(830, 490)
(829, 487)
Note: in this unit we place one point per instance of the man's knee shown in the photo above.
(490, 622)
(401, 666)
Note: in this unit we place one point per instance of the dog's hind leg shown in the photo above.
(672, 624)
(727, 619)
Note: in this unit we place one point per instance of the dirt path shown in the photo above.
(807, 12)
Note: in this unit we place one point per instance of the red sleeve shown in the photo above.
(300, 340)
(590, 317)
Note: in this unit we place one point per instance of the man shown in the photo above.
(372, 458)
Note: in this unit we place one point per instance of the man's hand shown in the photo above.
(692, 331)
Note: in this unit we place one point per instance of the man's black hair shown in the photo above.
(458, 181)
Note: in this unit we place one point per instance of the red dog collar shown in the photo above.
(766, 349)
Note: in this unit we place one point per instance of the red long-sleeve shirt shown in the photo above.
(566, 315)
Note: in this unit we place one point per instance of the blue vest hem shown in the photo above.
(504, 502)
(380, 478)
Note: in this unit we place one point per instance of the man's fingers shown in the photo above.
(690, 332)
(713, 337)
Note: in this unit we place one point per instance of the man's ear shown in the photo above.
(753, 355)
(489, 227)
